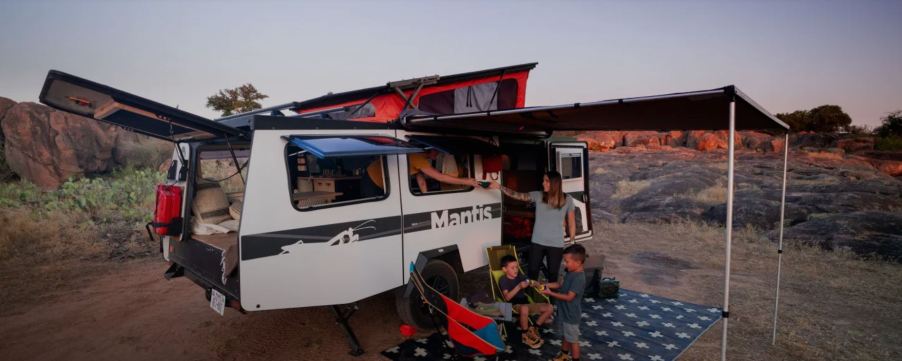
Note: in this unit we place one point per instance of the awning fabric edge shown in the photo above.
(700, 108)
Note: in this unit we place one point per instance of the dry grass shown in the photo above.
(716, 194)
(27, 237)
(627, 188)
(41, 253)
(834, 305)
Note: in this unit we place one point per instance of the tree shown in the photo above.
(828, 118)
(797, 120)
(891, 125)
(237, 100)
(825, 118)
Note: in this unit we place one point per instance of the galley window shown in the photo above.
(329, 171)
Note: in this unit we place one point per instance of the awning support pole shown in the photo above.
(731, 148)
(780, 242)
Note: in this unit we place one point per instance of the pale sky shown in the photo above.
(787, 55)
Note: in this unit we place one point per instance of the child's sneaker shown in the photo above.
(534, 332)
(562, 357)
(531, 341)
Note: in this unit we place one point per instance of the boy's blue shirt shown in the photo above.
(570, 312)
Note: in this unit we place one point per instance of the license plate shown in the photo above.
(217, 301)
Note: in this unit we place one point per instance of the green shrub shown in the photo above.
(126, 194)
(99, 217)
(889, 143)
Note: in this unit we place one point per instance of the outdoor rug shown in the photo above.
(635, 326)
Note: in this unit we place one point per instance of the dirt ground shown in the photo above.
(834, 307)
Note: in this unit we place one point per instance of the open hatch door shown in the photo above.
(348, 146)
(86, 98)
(571, 160)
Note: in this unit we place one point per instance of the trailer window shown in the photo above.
(454, 165)
(571, 166)
(333, 181)
(218, 166)
(479, 97)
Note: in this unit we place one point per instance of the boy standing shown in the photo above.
(512, 285)
(569, 299)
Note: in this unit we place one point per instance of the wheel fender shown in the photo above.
(449, 254)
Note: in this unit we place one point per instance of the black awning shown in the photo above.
(455, 145)
(699, 110)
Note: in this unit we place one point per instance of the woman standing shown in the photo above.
(554, 213)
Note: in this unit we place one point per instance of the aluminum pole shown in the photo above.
(780, 242)
(731, 148)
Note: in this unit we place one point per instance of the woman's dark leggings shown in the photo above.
(536, 253)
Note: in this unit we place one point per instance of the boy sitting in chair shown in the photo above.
(512, 285)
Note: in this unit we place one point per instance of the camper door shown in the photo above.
(571, 159)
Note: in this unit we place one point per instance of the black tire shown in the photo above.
(441, 276)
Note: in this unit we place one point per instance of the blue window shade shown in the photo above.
(327, 147)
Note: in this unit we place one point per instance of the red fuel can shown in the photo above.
(169, 208)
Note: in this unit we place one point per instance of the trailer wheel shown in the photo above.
(442, 277)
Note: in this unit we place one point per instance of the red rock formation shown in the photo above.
(891, 167)
(776, 144)
(858, 144)
(47, 146)
(5, 105)
(647, 139)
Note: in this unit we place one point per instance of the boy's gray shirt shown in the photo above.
(570, 312)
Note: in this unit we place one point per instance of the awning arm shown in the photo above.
(780, 242)
(731, 147)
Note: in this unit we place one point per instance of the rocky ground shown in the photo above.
(832, 200)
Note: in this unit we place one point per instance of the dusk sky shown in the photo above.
(785, 55)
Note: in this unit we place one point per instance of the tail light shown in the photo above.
(168, 216)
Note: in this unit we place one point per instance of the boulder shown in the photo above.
(647, 139)
(891, 167)
(591, 143)
(5, 105)
(775, 145)
(599, 141)
(813, 140)
(47, 146)
(757, 141)
(858, 144)
(705, 141)
(675, 138)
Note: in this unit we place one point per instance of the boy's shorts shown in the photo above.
(534, 308)
(569, 331)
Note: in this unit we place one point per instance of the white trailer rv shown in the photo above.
(294, 223)
(307, 234)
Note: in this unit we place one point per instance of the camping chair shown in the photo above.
(471, 333)
(495, 273)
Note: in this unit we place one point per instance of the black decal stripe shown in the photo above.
(270, 244)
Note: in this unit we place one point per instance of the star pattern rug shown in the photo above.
(634, 326)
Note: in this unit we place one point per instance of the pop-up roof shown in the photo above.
(485, 90)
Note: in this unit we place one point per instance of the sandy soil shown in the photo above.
(130, 310)
(121, 310)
